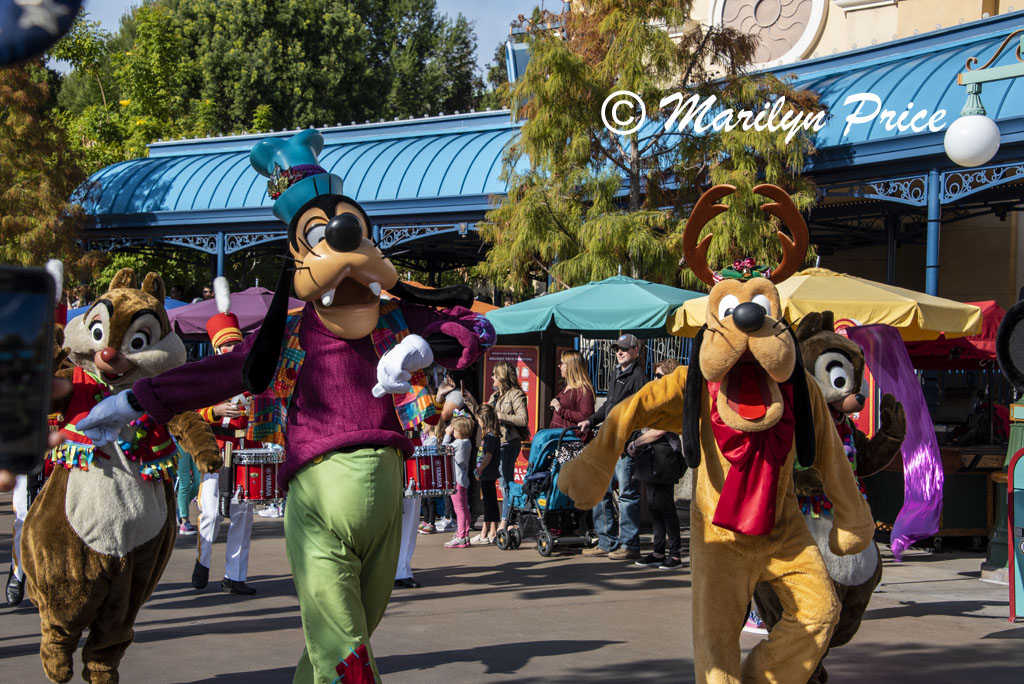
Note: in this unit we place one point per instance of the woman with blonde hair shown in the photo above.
(575, 403)
(509, 402)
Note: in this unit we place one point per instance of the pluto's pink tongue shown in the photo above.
(746, 392)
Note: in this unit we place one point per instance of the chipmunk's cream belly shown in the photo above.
(112, 508)
(849, 570)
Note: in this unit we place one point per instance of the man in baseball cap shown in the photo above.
(625, 544)
(627, 341)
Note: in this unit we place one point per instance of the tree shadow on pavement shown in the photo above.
(281, 674)
(505, 659)
(967, 609)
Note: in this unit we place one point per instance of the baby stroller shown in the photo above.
(538, 508)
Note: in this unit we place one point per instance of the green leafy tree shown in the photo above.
(38, 173)
(495, 94)
(584, 203)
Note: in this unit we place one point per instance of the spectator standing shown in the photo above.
(509, 402)
(659, 465)
(575, 402)
(487, 472)
(459, 435)
(619, 540)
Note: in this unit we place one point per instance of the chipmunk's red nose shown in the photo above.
(108, 354)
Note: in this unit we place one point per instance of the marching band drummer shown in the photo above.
(228, 420)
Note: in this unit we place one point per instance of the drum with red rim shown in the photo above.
(256, 474)
(430, 471)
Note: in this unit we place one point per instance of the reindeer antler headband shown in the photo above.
(793, 250)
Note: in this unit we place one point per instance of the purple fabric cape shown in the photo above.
(886, 356)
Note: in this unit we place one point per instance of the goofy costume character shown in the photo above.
(229, 421)
(344, 444)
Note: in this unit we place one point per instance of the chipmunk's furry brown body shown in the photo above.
(97, 538)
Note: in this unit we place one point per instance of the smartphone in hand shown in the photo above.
(26, 366)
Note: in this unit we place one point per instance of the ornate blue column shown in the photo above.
(931, 274)
(220, 253)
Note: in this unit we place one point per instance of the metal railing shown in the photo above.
(601, 360)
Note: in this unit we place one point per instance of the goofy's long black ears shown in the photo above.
(691, 403)
(456, 295)
(803, 434)
(261, 363)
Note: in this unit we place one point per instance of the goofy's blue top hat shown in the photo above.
(294, 172)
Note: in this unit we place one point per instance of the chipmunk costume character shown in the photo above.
(98, 536)
(344, 442)
(747, 412)
(837, 364)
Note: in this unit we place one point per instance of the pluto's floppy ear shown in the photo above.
(261, 362)
(804, 434)
(691, 403)
(456, 295)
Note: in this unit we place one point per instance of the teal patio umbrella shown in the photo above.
(604, 308)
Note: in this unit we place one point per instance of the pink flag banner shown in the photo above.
(886, 356)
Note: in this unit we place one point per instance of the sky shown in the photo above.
(491, 17)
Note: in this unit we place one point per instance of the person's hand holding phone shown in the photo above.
(60, 389)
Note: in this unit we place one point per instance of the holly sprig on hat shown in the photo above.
(744, 269)
(281, 180)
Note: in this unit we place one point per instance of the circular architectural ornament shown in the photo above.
(788, 29)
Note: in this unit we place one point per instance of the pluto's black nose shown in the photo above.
(344, 233)
(748, 316)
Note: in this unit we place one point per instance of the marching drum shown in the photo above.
(256, 474)
(430, 471)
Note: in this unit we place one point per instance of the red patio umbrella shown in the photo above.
(962, 353)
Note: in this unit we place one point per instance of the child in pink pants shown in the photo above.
(458, 434)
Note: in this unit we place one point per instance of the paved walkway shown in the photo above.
(486, 615)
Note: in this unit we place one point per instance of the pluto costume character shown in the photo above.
(98, 536)
(747, 412)
(837, 364)
(343, 442)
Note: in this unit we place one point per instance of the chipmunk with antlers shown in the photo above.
(748, 409)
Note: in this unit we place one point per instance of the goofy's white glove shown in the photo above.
(394, 370)
(106, 419)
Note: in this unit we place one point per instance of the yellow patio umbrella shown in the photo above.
(916, 315)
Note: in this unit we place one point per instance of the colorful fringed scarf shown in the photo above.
(151, 445)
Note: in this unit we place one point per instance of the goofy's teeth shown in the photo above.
(328, 298)
(375, 288)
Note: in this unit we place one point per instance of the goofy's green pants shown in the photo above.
(342, 526)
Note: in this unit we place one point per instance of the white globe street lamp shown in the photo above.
(973, 139)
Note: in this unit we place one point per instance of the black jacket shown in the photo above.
(623, 386)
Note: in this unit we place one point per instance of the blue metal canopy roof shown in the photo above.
(452, 156)
(921, 70)
(450, 165)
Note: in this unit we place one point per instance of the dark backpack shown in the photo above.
(660, 462)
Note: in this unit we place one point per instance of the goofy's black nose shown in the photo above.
(748, 317)
(344, 233)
